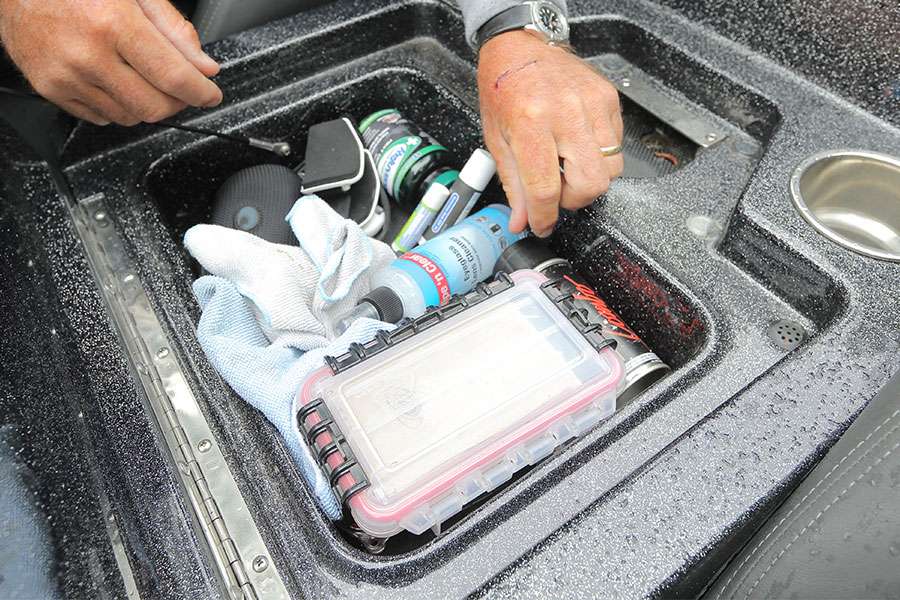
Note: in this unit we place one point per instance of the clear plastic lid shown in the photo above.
(439, 410)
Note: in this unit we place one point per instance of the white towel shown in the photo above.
(298, 292)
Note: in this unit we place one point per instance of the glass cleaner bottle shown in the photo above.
(449, 264)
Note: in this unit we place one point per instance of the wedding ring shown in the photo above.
(611, 150)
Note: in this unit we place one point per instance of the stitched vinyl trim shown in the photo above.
(822, 512)
(211, 15)
(796, 506)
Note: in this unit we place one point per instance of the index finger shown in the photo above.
(163, 66)
(178, 30)
(538, 168)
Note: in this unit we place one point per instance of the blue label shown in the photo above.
(455, 261)
(425, 283)
(445, 213)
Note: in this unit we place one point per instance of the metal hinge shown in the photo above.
(221, 516)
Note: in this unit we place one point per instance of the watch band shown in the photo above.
(516, 17)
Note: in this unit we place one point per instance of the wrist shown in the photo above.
(517, 41)
(545, 16)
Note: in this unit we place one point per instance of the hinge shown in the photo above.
(220, 513)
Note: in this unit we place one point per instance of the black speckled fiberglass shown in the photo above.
(653, 500)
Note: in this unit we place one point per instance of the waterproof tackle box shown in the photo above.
(424, 419)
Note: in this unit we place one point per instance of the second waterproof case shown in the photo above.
(421, 421)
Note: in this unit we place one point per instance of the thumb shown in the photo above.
(180, 32)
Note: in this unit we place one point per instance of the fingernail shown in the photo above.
(214, 102)
(210, 61)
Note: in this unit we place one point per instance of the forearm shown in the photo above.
(477, 12)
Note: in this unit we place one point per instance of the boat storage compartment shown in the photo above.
(701, 253)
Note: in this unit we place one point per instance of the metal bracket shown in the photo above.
(688, 119)
(220, 514)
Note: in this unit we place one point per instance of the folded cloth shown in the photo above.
(299, 293)
(269, 312)
(266, 375)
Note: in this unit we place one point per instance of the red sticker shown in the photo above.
(433, 271)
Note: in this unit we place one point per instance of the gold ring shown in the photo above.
(611, 150)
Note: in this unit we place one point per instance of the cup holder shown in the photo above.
(852, 198)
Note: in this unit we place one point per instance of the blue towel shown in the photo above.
(268, 375)
(269, 311)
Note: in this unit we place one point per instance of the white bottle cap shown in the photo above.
(435, 197)
(479, 170)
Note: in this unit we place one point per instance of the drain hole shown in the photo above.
(785, 334)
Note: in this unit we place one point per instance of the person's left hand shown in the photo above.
(542, 107)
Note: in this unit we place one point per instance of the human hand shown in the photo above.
(540, 104)
(122, 61)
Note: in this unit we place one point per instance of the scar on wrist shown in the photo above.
(510, 72)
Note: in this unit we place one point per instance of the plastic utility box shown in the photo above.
(422, 420)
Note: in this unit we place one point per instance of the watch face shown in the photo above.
(550, 20)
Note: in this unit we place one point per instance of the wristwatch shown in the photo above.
(542, 16)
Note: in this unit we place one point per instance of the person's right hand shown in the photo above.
(121, 61)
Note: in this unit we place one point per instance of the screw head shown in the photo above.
(162, 353)
(703, 227)
(712, 136)
(101, 218)
(260, 563)
(204, 445)
(626, 82)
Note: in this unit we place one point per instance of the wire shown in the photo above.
(385, 203)
(279, 147)
(668, 156)
(20, 93)
(199, 130)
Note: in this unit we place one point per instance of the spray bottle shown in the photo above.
(449, 264)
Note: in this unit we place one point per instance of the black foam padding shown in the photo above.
(387, 303)
(256, 200)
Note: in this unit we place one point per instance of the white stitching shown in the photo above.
(208, 20)
(821, 512)
(798, 505)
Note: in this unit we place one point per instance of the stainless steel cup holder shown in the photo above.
(852, 197)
